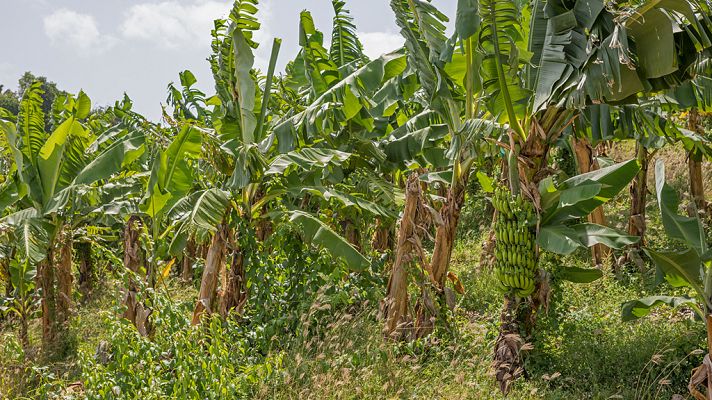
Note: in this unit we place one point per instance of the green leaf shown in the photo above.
(634, 309)
(559, 239)
(22, 277)
(110, 161)
(591, 234)
(321, 70)
(307, 159)
(485, 182)
(345, 44)
(423, 28)
(680, 269)
(9, 194)
(374, 85)
(347, 200)
(578, 196)
(444, 177)
(578, 193)
(467, 18)
(32, 234)
(244, 85)
(688, 230)
(51, 156)
(210, 209)
(82, 107)
(579, 275)
(320, 234)
(405, 145)
(171, 176)
(30, 122)
(500, 34)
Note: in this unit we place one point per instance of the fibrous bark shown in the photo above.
(188, 260)
(586, 163)
(54, 279)
(86, 268)
(638, 193)
(5, 265)
(694, 164)
(213, 264)
(24, 336)
(264, 228)
(45, 282)
(508, 346)
(394, 307)
(445, 233)
(382, 239)
(351, 233)
(702, 375)
(64, 277)
(134, 259)
(532, 168)
(234, 295)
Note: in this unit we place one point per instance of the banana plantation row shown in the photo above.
(362, 158)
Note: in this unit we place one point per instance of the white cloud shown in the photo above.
(172, 24)
(378, 43)
(69, 28)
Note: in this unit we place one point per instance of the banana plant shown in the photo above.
(51, 169)
(350, 110)
(694, 99)
(687, 267)
(240, 135)
(533, 80)
(20, 298)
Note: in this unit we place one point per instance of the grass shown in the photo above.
(582, 350)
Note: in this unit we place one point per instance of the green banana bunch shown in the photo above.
(515, 250)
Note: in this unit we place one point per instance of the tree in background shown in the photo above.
(50, 93)
(9, 100)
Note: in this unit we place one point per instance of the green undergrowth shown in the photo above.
(581, 349)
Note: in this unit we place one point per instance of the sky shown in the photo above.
(108, 47)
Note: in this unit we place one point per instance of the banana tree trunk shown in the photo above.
(234, 294)
(134, 259)
(394, 308)
(638, 193)
(8, 283)
(188, 260)
(351, 233)
(48, 301)
(507, 357)
(697, 190)
(264, 229)
(445, 233)
(702, 375)
(213, 264)
(694, 164)
(587, 163)
(64, 277)
(24, 336)
(86, 268)
(382, 239)
(525, 170)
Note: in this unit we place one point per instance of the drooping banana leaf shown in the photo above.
(688, 230)
(320, 234)
(635, 309)
(171, 176)
(578, 196)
